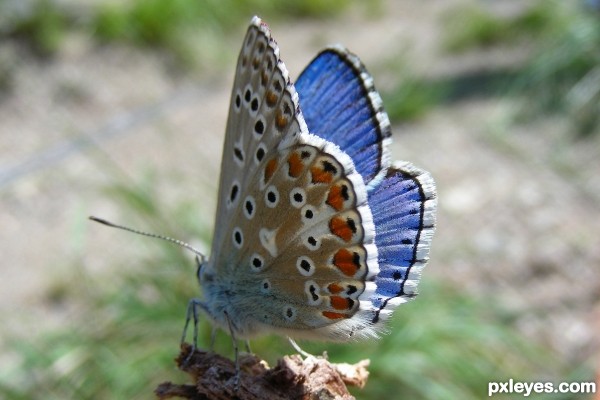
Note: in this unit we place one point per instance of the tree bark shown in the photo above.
(213, 378)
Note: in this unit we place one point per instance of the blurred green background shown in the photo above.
(117, 109)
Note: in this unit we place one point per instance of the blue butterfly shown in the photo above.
(318, 235)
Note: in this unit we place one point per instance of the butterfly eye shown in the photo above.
(199, 271)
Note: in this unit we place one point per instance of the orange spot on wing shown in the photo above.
(264, 79)
(320, 176)
(334, 288)
(346, 262)
(340, 228)
(334, 315)
(335, 199)
(270, 168)
(339, 303)
(296, 165)
(280, 120)
(271, 98)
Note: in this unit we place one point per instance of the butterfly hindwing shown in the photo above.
(404, 214)
(310, 245)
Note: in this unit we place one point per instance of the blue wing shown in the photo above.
(403, 207)
(340, 104)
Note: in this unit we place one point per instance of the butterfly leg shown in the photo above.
(213, 337)
(298, 349)
(235, 352)
(248, 350)
(192, 313)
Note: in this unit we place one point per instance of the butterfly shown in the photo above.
(318, 235)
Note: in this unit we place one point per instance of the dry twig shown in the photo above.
(292, 378)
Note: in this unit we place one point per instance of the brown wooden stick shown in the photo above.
(292, 378)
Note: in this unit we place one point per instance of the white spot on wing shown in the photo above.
(267, 239)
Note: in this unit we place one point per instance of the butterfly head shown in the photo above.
(201, 271)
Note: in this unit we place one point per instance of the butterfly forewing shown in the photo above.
(261, 115)
(341, 105)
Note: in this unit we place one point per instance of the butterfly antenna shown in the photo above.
(152, 235)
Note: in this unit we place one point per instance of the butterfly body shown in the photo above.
(317, 234)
